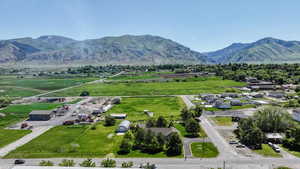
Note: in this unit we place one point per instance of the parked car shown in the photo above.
(240, 145)
(69, 122)
(233, 142)
(24, 125)
(19, 161)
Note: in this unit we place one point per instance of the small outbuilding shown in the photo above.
(40, 115)
(124, 126)
(118, 116)
(236, 103)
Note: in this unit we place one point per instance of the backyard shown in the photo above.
(161, 106)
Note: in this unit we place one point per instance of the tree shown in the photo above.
(151, 144)
(109, 121)
(67, 163)
(85, 93)
(198, 111)
(272, 119)
(46, 163)
(174, 144)
(139, 138)
(108, 163)
(185, 114)
(192, 127)
(250, 134)
(127, 164)
(150, 123)
(161, 122)
(125, 146)
(5, 101)
(88, 163)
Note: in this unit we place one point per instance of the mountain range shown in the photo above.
(143, 49)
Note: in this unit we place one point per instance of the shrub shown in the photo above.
(67, 163)
(108, 163)
(46, 163)
(127, 164)
(88, 163)
(109, 121)
(85, 93)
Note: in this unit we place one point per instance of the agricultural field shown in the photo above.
(76, 141)
(139, 76)
(21, 87)
(161, 106)
(190, 86)
(16, 113)
(204, 150)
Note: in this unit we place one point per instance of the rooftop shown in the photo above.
(39, 112)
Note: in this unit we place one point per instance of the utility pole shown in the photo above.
(224, 164)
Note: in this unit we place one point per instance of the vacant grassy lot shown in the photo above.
(267, 151)
(183, 132)
(161, 106)
(75, 141)
(12, 86)
(210, 85)
(16, 113)
(9, 136)
(204, 150)
(295, 153)
(222, 121)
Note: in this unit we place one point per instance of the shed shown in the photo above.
(123, 126)
(119, 116)
(40, 115)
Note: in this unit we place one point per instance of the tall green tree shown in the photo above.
(192, 127)
(174, 144)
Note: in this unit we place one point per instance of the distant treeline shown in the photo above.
(278, 73)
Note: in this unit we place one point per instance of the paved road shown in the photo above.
(174, 163)
(35, 133)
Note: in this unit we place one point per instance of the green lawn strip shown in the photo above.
(16, 113)
(222, 120)
(9, 136)
(267, 151)
(161, 106)
(204, 150)
(153, 88)
(183, 132)
(294, 153)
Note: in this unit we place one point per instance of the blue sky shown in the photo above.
(202, 25)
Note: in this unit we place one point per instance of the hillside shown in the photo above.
(267, 50)
(126, 49)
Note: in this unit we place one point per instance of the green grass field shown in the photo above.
(222, 121)
(204, 150)
(76, 141)
(161, 106)
(9, 136)
(294, 153)
(183, 132)
(267, 151)
(209, 85)
(16, 113)
(12, 86)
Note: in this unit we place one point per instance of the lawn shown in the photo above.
(210, 85)
(183, 132)
(204, 150)
(14, 87)
(76, 141)
(16, 113)
(161, 106)
(222, 121)
(9, 136)
(267, 151)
